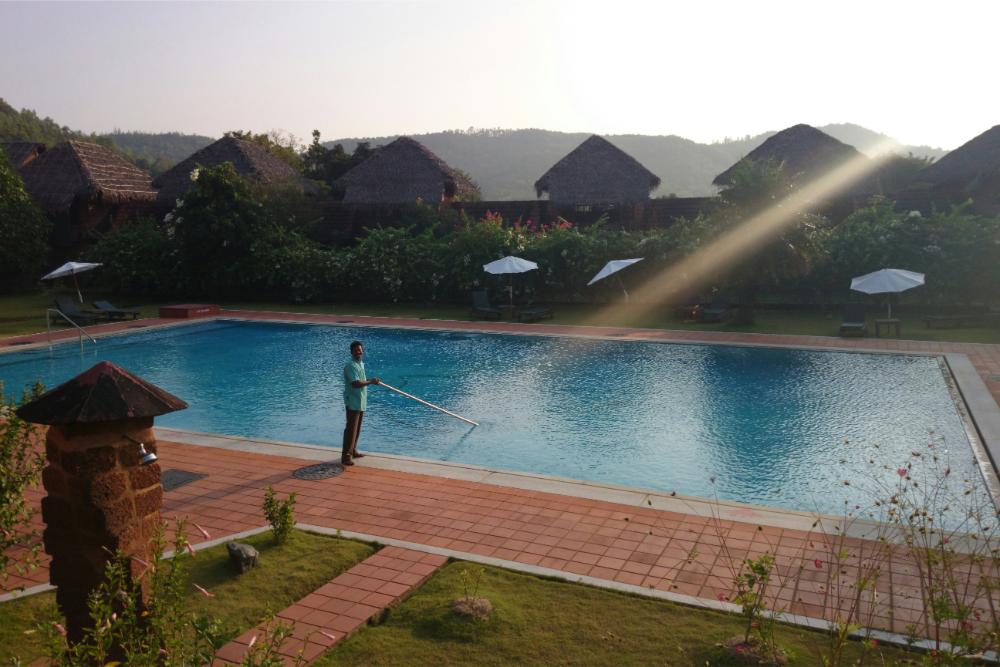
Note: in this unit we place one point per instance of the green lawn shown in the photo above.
(283, 575)
(24, 314)
(545, 622)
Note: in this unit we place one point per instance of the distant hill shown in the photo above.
(152, 152)
(25, 125)
(506, 163)
(172, 146)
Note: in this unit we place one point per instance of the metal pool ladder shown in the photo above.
(48, 327)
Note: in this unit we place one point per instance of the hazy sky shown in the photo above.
(922, 72)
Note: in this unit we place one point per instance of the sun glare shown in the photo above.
(693, 271)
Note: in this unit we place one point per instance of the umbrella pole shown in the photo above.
(622, 285)
(77, 285)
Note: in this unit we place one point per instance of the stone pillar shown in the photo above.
(101, 500)
(102, 497)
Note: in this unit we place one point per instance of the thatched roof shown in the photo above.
(804, 151)
(104, 393)
(977, 158)
(248, 159)
(597, 171)
(82, 171)
(21, 153)
(401, 172)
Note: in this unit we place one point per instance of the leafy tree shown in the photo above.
(758, 191)
(20, 466)
(328, 164)
(215, 227)
(24, 231)
(138, 258)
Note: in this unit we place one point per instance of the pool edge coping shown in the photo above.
(695, 506)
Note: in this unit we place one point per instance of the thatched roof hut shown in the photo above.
(21, 153)
(597, 172)
(248, 159)
(972, 161)
(805, 152)
(77, 172)
(402, 172)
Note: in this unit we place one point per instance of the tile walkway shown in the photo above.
(665, 551)
(334, 611)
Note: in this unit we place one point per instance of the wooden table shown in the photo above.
(890, 324)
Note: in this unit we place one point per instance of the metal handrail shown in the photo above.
(48, 326)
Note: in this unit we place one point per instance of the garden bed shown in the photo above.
(537, 621)
(283, 575)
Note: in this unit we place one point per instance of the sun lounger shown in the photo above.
(718, 310)
(66, 306)
(854, 323)
(113, 312)
(972, 318)
(482, 307)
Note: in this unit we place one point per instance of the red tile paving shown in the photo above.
(336, 609)
(655, 549)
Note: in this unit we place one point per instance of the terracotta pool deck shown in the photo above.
(684, 556)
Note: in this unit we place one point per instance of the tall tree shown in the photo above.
(24, 231)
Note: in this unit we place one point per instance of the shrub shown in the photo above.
(20, 466)
(24, 231)
(138, 258)
(280, 514)
(124, 630)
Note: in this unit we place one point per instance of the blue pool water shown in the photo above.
(769, 425)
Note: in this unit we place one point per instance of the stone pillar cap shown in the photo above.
(106, 392)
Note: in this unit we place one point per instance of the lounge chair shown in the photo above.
(481, 306)
(966, 318)
(65, 305)
(534, 313)
(718, 310)
(854, 320)
(113, 312)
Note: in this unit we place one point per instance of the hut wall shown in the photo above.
(596, 191)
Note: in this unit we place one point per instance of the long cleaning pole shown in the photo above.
(430, 405)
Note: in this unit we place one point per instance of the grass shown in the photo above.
(540, 621)
(25, 314)
(283, 575)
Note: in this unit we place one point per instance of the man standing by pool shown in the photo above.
(356, 401)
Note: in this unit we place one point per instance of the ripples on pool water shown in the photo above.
(769, 425)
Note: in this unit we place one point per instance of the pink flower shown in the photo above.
(203, 591)
(901, 472)
(202, 531)
(60, 629)
(721, 597)
(818, 563)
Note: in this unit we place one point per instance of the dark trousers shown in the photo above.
(352, 429)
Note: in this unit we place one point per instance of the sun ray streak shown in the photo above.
(745, 239)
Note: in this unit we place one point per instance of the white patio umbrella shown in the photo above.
(71, 269)
(887, 281)
(510, 264)
(612, 267)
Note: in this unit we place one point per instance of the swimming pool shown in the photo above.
(771, 426)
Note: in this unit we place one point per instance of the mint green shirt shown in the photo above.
(355, 398)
